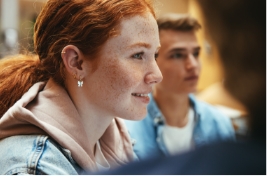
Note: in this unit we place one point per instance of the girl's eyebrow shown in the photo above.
(140, 44)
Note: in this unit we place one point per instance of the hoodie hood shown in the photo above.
(47, 109)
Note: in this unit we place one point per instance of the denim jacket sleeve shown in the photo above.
(35, 154)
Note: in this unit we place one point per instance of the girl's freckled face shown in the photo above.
(119, 73)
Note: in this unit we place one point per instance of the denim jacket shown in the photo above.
(210, 126)
(37, 155)
(47, 110)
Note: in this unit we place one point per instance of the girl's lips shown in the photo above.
(140, 94)
(142, 97)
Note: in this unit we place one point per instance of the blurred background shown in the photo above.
(18, 17)
(16, 36)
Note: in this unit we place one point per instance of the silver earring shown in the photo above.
(80, 82)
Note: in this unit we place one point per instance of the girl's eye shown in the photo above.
(156, 56)
(138, 55)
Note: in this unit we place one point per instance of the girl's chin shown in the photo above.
(137, 117)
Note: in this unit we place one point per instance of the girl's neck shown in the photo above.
(94, 119)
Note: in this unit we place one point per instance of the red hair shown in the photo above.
(87, 24)
(17, 75)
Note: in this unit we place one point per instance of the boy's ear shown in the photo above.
(73, 60)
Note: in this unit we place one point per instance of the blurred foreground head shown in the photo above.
(238, 30)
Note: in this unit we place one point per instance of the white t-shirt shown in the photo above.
(101, 162)
(179, 140)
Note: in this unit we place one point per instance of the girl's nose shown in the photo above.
(154, 74)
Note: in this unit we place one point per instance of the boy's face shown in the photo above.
(178, 61)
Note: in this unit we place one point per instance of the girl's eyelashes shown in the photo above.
(156, 56)
(138, 55)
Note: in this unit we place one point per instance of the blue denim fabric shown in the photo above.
(35, 154)
(210, 126)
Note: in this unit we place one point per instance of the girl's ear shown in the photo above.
(73, 60)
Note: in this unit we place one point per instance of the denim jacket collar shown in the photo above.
(159, 120)
(197, 110)
(154, 111)
(158, 117)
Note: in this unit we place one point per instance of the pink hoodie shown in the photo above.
(47, 109)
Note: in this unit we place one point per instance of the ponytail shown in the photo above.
(17, 74)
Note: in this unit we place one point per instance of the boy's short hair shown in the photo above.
(178, 22)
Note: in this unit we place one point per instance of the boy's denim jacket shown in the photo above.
(210, 126)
